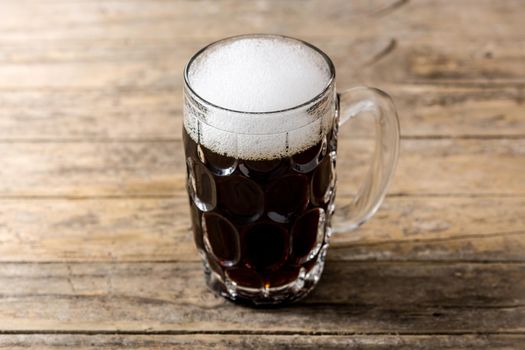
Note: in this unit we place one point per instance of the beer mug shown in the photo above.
(261, 121)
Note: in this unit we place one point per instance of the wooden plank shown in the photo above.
(155, 114)
(370, 61)
(96, 230)
(411, 298)
(138, 19)
(150, 114)
(358, 51)
(94, 44)
(429, 59)
(433, 228)
(225, 341)
(466, 166)
(158, 229)
(91, 169)
(157, 168)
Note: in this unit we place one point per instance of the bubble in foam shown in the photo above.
(258, 74)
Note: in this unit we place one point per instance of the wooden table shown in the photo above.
(95, 243)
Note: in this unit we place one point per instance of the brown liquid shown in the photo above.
(260, 222)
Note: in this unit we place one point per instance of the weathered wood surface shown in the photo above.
(85, 169)
(158, 229)
(425, 110)
(369, 297)
(95, 242)
(65, 20)
(278, 342)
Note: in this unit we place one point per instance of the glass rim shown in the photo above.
(312, 100)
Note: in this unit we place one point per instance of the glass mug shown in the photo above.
(262, 198)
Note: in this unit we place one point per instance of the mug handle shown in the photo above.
(370, 195)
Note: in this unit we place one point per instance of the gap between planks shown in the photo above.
(246, 332)
(184, 196)
(329, 259)
(479, 137)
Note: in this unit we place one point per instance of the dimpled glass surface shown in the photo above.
(261, 225)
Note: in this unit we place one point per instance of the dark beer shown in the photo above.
(261, 223)
(260, 143)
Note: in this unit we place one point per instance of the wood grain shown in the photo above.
(101, 45)
(158, 229)
(155, 113)
(401, 298)
(452, 166)
(368, 61)
(187, 19)
(95, 242)
(278, 342)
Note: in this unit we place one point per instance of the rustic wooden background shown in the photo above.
(95, 247)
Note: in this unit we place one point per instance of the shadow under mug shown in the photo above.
(262, 213)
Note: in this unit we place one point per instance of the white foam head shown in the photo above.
(247, 77)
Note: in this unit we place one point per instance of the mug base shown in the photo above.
(288, 293)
